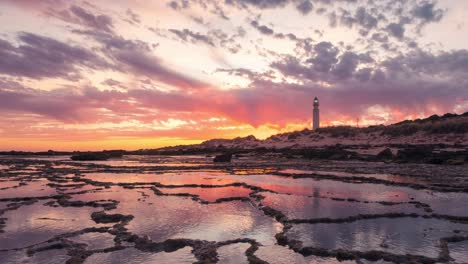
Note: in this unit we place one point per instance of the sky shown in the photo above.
(121, 74)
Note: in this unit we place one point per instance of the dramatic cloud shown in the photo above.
(324, 58)
(427, 11)
(146, 64)
(42, 57)
(190, 36)
(258, 3)
(397, 30)
(197, 69)
(83, 17)
(262, 28)
(305, 7)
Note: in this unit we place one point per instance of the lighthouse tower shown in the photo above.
(316, 117)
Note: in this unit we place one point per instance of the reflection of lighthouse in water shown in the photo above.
(316, 117)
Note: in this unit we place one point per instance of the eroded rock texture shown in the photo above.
(256, 209)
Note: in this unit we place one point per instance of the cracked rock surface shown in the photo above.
(255, 209)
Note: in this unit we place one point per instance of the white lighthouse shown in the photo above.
(316, 116)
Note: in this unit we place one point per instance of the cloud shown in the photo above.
(135, 56)
(426, 11)
(214, 38)
(401, 84)
(280, 85)
(258, 3)
(43, 57)
(189, 36)
(346, 66)
(325, 56)
(305, 7)
(213, 7)
(178, 5)
(151, 66)
(80, 16)
(133, 18)
(100, 22)
(365, 19)
(262, 28)
(69, 105)
(396, 30)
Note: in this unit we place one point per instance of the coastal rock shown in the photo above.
(385, 154)
(223, 158)
(103, 218)
(90, 156)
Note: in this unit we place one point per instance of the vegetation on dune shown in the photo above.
(448, 123)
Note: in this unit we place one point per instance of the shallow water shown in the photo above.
(131, 255)
(459, 252)
(343, 174)
(31, 224)
(178, 178)
(210, 194)
(94, 240)
(303, 207)
(35, 188)
(275, 254)
(163, 218)
(54, 256)
(233, 254)
(417, 236)
(161, 204)
(151, 161)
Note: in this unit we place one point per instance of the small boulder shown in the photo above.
(103, 218)
(385, 154)
(90, 156)
(414, 154)
(223, 158)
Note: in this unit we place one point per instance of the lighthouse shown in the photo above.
(316, 116)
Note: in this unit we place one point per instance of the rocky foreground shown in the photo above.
(254, 209)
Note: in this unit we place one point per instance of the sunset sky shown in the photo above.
(121, 74)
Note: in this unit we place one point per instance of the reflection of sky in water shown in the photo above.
(416, 236)
(380, 176)
(275, 254)
(175, 217)
(303, 207)
(32, 189)
(54, 256)
(211, 194)
(131, 255)
(176, 178)
(3, 205)
(148, 161)
(442, 203)
(35, 223)
(459, 251)
(94, 240)
(164, 217)
(233, 254)
(32, 157)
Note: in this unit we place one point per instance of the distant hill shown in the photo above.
(449, 129)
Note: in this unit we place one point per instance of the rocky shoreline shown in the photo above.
(78, 184)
